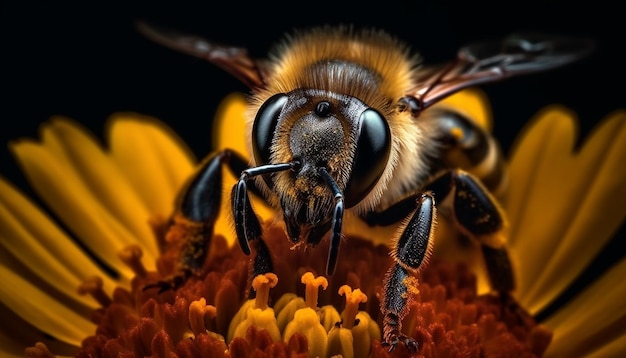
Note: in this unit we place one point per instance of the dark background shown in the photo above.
(86, 61)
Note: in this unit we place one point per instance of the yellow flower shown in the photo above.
(114, 204)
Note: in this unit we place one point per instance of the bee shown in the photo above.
(340, 120)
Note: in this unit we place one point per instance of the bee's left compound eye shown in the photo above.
(264, 127)
(372, 152)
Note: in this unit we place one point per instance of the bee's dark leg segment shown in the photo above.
(478, 215)
(197, 209)
(394, 307)
(499, 268)
(474, 208)
(200, 201)
(337, 223)
(414, 242)
(409, 252)
(483, 172)
(262, 262)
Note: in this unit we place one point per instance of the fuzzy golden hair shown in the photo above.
(385, 56)
(379, 70)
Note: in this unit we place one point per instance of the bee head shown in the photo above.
(320, 129)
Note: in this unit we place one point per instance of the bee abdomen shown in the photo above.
(467, 146)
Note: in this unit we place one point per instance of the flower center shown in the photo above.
(294, 311)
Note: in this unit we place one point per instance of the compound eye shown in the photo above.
(264, 127)
(372, 153)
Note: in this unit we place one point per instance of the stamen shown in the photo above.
(262, 285)
(159, 226)
(93, 287)
(539, 339)
(260, 316)
(353, 299)
(447, 317)
(131, 256)
(312, 284)
(198, 312)
(40, 350)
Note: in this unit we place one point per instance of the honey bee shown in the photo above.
(341, 120)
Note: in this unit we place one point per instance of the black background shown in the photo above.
(86, 61)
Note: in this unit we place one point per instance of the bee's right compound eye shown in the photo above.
(264, 126)
(372, 153)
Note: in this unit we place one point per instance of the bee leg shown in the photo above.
(480, 215)
(410, 251)
(467, 145)
(197, 209)
(477, 215)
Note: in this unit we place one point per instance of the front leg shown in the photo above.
(409, 252)
(197, 209)
(476, 214)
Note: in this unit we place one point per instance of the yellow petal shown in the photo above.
(18, 335)
(224, 224)
(39, 309)
(100, 175)
(615, 348)
(537, 163)
(572, 210)
(67, 195)
(36, 240)
(152, 157)
(36, 259)
(230, 129)
(594, 318)
(535, 168)
(601, 209)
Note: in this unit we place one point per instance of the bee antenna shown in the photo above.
(335, 231)
(241, 205)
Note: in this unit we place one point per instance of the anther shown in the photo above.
(198, 312)
(93, 287)
(262, 284)
(131, 256)
(353, 299)
(312, 285)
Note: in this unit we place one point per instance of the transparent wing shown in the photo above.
(492, 61)
(234, 60)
